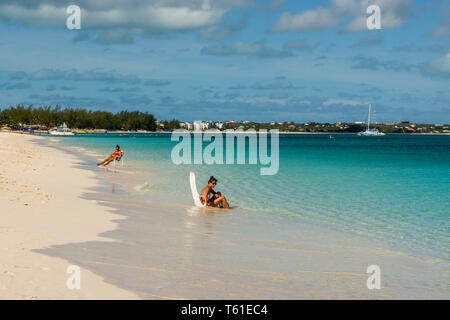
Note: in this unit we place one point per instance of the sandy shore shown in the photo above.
(40, 207)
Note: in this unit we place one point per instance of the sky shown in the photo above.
(273, 60)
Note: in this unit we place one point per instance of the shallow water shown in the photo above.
(394, 187)
(335, 207)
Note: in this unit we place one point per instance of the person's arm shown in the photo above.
(202, 195)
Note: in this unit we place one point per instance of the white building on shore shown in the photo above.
(202, 125)
(187, 125)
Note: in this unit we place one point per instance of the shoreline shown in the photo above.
(125, 133)
(161, 253)
(42, 207)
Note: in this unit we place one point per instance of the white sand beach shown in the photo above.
(40, 205)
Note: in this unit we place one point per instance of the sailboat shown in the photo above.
(62, 130)
(370, 132)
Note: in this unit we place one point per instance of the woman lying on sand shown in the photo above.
(216, 200)
(117, 154)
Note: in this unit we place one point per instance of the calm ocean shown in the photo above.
(394, 188)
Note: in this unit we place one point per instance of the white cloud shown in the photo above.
(342, 101)
(440, 31)
(249, 49)
(135, 17)
(43, 16)
(393, 14)
(437, 68)
(308, 20)
(90, 75)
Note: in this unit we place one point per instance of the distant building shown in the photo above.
(159, 124)
(205, 125)
(198, 126)
(187, 125)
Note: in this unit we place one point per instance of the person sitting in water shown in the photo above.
(116, 155)
(216, 199)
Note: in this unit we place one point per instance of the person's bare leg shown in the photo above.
(221, 201)
(105, 162)
(225, 203)
(100, 163)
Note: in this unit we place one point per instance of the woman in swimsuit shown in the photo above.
(117, 154)
(216, 200)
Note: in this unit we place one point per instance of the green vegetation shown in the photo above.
(171, 125)
(312, 127)
(341, 127)
(47, 117)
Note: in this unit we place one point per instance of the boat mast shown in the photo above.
(368, 118)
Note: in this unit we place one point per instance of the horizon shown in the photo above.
(259, 61)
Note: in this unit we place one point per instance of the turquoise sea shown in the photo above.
(342, 192)
(395, 187)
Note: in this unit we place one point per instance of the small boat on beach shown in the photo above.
(62, 130)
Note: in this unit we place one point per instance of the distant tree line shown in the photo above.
(49, 117)
(171, 125)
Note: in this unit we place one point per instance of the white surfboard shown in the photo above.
(194, 191)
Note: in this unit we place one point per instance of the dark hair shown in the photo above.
(118, 146)
(212, 179)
